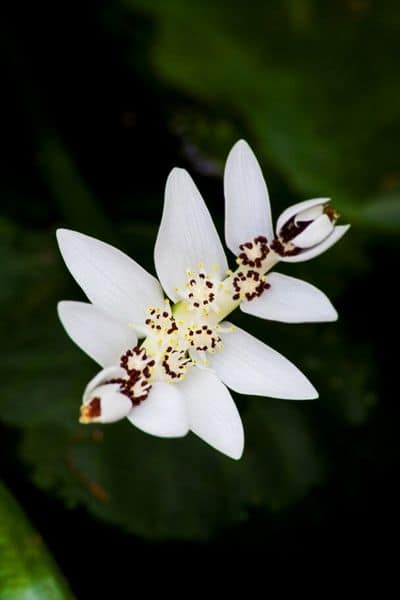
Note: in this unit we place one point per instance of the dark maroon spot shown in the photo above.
(93, 409)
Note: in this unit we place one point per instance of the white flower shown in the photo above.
(303, 231)
(173, 380)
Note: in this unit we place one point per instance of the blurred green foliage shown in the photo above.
(310, 83)
(27, 572)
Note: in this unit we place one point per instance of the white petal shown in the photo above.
(292, 211)
(114, 406)
(163, 413)
(290, 300)
(98, 334)
(334, 237)
(249, 366)
(187, 237)
(310, 214)
(110, 279)
(104, 375)
(314, 233)
(213, 415)
(247, 206)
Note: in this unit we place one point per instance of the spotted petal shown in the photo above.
(110, 279)
(298, 208)
(187, 236)
(163, 413)
(98, 334)
(247, 206)
(310, 253)
(290, 300)
(213, 415)
(315, 233)
(249, 366)
(103, 376)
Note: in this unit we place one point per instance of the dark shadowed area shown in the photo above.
(100, 100)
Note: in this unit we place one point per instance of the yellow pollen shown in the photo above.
(85, 415)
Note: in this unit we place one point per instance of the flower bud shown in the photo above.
(103, 401)
(106, 404)
(306, 229)
(307, 224)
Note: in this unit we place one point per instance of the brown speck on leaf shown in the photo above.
(97, 435)
(94, 488)
(98, 491)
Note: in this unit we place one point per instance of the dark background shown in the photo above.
(101, 100)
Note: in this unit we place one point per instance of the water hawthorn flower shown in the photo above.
(166, 362)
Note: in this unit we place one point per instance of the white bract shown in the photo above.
(167, 361)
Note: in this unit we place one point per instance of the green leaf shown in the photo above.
(27, 571)
(177, 488)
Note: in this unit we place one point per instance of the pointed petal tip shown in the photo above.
(236, 454)
(241, 144)
(308, 391)
(63, 232)
(232, 452)
(61, 307)
(313, 394)
(239, 148)
(235, 448)
(64, 236)
(60, 235)
(332, 316)
(177, 173)
(64, 308)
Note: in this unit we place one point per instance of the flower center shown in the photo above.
(175, 363)
(138, 367)
(203, 338)
(248, 281)
(200, 293)
(161, 320)
(254, 253)
(249, 284)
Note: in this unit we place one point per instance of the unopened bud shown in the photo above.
(106, 404)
